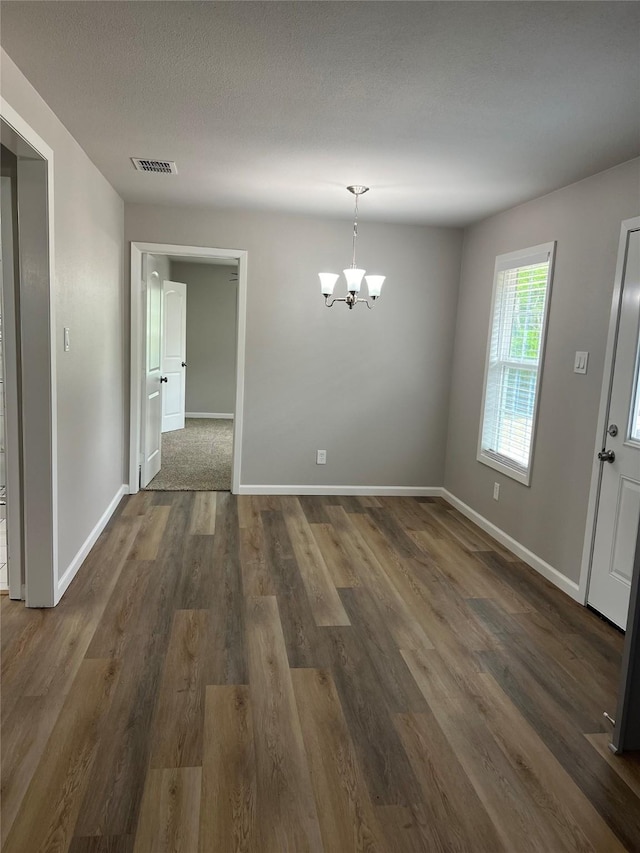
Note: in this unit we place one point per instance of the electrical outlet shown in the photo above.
(321, 457)
(496, 491)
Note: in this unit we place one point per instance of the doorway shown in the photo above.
(9, 393)
(187, 436)
(29, 333)
(198, 327)
(614, 507)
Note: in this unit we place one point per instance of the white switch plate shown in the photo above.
(321, 457)
(67, 344)
(496, 491)
(581, 362)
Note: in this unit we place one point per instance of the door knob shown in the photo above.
(606, 455)
(184, 363)
(164, 379)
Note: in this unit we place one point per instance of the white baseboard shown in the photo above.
(227, 415)
(88, 544)
(424, 491)
(527, 556)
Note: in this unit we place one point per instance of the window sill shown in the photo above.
(521, 476)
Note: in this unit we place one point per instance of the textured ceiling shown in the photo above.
(450, 111)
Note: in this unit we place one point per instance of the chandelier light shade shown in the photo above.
(352, 274)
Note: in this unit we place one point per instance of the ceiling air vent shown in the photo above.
(164, 167)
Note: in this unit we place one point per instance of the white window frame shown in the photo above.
(523, 257)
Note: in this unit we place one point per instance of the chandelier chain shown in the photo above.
(355, 234)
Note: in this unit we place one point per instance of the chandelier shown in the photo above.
(353, 274)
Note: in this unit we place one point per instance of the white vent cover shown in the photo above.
(164, 167)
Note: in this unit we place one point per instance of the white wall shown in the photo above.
(212, 319)
(89, 299)
(370, 387)
(549, 516)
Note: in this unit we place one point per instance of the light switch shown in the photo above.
(580, 364)
(67, 344)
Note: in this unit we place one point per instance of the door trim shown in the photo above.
(628, 226)
(39, 413)
(137, 250)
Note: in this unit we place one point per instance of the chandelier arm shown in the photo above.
(333, 300)
(351, 301)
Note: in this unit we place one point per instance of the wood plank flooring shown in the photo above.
(309, 675)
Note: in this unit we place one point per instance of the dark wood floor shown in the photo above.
(281, 675)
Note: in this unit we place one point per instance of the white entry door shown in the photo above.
(174, 354)
(619, 501)
(151, 439)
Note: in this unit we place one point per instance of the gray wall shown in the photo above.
(89, 298)
(548, 517)
(370, 387)
(379, 390)
(212, 317)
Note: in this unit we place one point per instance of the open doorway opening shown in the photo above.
(187, 366)
(28, 422)
(9, 390)
(198, 383)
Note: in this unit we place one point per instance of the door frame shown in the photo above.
(628, 225)
(42, 585)
(137, 250)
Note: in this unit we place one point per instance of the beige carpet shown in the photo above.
(196, 458)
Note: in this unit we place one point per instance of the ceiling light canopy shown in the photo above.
(352, 274)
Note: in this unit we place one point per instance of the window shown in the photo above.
(521, 289)
(634, 416)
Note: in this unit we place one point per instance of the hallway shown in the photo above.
(297, 674)
(196, 458)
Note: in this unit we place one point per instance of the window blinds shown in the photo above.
(515, 347)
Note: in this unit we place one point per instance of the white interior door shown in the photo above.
(619, 501)
(174, 354)
(151, 439)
